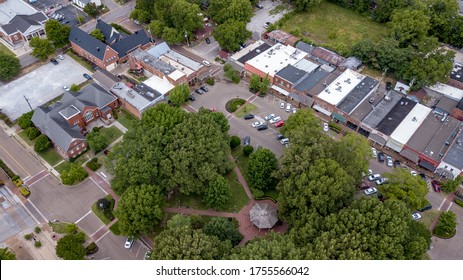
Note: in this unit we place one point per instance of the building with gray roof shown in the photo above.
(452, 163)
(11, 8)
(291, 74)
(305, 47)
(308, 82)
(396, 116)
(358, 94)
(22, 28)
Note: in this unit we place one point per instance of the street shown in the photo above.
(115, 15)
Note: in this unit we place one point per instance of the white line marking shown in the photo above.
(451, 203)
(102, 236)
(83, 217)
(102, 174)
(107, 258)
(38, 211)
(33, 217)
(440, 206)
(97, 230)
(38, 180)
(98, 185)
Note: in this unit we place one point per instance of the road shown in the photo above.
(27, 59)
(116, 15)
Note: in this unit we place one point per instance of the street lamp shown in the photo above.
(186, 37)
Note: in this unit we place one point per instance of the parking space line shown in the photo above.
(98, 185)
(40, 213)
(138, 251)
(83, 217)
(102, 235)
(440, 206)
(448, 208)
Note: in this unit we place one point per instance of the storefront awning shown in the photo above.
(409, 154)
(280, 90)
(427, 165)
(338, 117)
(321, 110)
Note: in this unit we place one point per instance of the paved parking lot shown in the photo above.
(208, 51)
(39, 86)
(112, 248)
(48, 5)
(70, 14)
(262, 16)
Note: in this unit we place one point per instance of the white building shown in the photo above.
(337, 91)
(82, 3)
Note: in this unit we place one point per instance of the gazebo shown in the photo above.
(263, 216)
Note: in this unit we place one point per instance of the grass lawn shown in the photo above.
(115, 228)
(80, 60)
(335, 27)
(428, 217)
(51, 156)
(64, 166)
(126, 119)
(242, 160)
(96, 210)
(246, 109)
(23, 135)
(112, 133)
(6, 50)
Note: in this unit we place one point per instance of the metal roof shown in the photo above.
(358, 94)
(380, 111)
(410, 123)
(253, 52)
(327, 56)
(87, 42)
(291, 74)
(311, 80)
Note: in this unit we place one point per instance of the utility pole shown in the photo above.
(28, 102)
(186, 37)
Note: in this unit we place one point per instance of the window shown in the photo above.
(76, 122)
(83, 145)
(78, 148)
(88, 115)
(15, 37)
(281, 82)
(72, 152)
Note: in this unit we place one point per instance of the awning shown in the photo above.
(377, 138)
(409, 154)
(280, 90)
(427, 165)
(321, 110)
(338, 117)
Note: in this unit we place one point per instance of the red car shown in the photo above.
(435, 185)
(279, 123)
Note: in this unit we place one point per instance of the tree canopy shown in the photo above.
(42, 144)
(42, 47)
(9, 66)
(230, 10)
(97, 141)
(260, 168)
(57, 33)
(140, 209)
(223, 229)
(451, 185)
(98, 34)
(6, 254)
(70, 247)
(217, 193)
(409, 25)
(231, 34)
(179, 94)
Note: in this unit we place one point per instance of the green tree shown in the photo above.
(217, 193)
(97, 141)
(70, 247)
(405, 187)
(80, 18)
(248, 150)
(419, 240)
(409, 25)
(179, 94)
(230, 10)
(254, 83)
(184, 17)
(25, 120)
(182, 242)
(218, 117)
(231, 34)
(260, 168)
(42, 47)
(447, 223)
(224, 230)
(91, 9)
(32, 133)
(303, 118)
(140, 209)
(6, 254)
(264, 85)
(97, 34)
(75, 88)
(156, 28)
(305, 5)
(57, 33)
(76, 173)
(9, 66)
(172, 35)
(450, 186)
(42, 143)
(235, 141)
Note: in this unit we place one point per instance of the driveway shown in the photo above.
(70, 14)
(261, 16)
(208, 51)
(112, 248)
(39, 86)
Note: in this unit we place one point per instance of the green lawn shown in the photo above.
(335, 27)
(126, 119)
(100, 213)
(115, 228)
(6, 50)
(80, 60)
(112, 133)
(64, 166)
(50, 155)
(23, 135)
(246, 109)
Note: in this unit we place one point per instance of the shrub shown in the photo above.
(227, 67)
(8, 171)
(74, 88)
(93, 164)
(42, 143)
(92, 248)
(115, 115)
(25, 120)
(37, 229)
(233, 104)
(248, 150)
(38, 244)
(446, 225)
(32, 133)
(210, 81)
(235, 141)
(458, 201)
(96, 129)
(25, 192)
(15, 177)
(28, 236)
(75, 174)
(335, 127)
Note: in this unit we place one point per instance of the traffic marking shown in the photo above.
(91, 178)
(101, 236)
(440, 206)
(83, 217)
(15, 160)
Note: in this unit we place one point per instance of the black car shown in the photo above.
(262, 127)
(204, 88)
(423, 176)
(208, 41)
(247, 141)
(249, 117)
(388, 86)
(87, 76)
(428, 207)
(259, 6)
(199, 91)
(54, 61)
(191, 98)
(280, 136)
(397, 163)
(243, 45)
(381, 157)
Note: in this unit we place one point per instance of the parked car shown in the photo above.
(427, 207)
(87, 76)
(136, 22)
(370, 171)
(54, 61)
(259, 6)
(243, 45)
(389, 161)
(294, 110)
(373, 152)
(280, 136)
(374, 177)
(256, 124)
(370, 191)
(282, 105)
(364, 187)
(288, 108)
(396, 163)
(279, 124)
(416, 216)
(381, 181)
(275, 120)
(246, 141)
(435, 185)
(61, 57)
(206, 63)
(66, 88)
(208, 41)
(204, 88)
(191, 98)
(423, 176)
(199, 91)
(128, 242)
(284, 141)
(413, 172)
(388, 86)
(248, 116)
(148, 255)
(459, 194)
(381, 157)
(326, 127)
(265, 26)
(66, 21)
(262, 127)
(269, 117)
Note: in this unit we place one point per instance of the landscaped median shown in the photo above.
(103, 209)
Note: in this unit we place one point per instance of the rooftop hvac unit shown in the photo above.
(150, 94)
(387, 98)
(414, 119)
(339, 88)
(327, 90)
(257, 50)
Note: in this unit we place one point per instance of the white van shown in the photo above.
(288, 108)
(284, 141)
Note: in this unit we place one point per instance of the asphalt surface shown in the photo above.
(261, 16)
(27, 59)
(116, 15)
(70, 13)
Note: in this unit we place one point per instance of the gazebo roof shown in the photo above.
(263, 215)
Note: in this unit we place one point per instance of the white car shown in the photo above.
(370, 191)
(275, 119)
(66, 88)
(374, 153)
(128, 242)
(416, 216)
(381, 181)
(256, 124)
(413, 172)
(370, 172)
(288, 108)
(269, 117)
(389, 161)
(284, 141)
(207, 63)
(265, 26)
(325, 127)
(282, 105)
(294, 110)
(374, 177)
(60, 57)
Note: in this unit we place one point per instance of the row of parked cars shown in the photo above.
(272, 118)
(200, 91)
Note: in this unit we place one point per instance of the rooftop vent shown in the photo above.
(146, 60)
(414, 119)
(258, 51)
(97, 49)
(401, 103)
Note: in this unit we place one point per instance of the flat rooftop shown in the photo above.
(358, 95)
(276, 58)
(446, 104)
(182, 68)
(311, 80)
(457, 72)
(380, 111)
(455, 153)
(323, 83)
(337, 91)
(135, 97)
(249, 52)
(306, 65)
(9, 9)
(396, 116)
(410, 123)
(153, 61)
(291, 74)
(449, 91)
(160, 85)
(164, 49)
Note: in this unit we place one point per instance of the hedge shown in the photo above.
(210, 81)
(93, 164)
(334, 127)
(233, 104)
(458, 201)
(7, 170)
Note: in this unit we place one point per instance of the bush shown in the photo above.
(38, 244)
(15, 177)
(37, 229)
(334, 127)
(25, 120)
(233, 104)
(28, 236)
(96, 129)
(75, 174)
(42, 143)
(93, 164)
(235, 141)
(227, 67)
(32, 133)
(446, 225)
(210, 81)
(115, 115)
(25, 192)
(8, 171)
(248, 150)
(18, 182)
(92, 248)
(458, 201)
